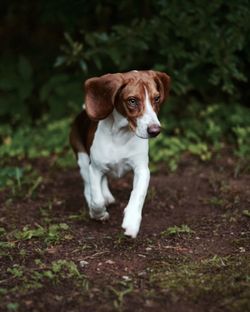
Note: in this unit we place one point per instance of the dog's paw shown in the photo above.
(100, 216)
(104, 217)
(131, 226)
(131, 232)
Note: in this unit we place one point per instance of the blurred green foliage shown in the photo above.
(201, 132)
(204, 46)
(48, 48)
(41, 140)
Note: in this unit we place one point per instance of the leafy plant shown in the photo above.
(242, 138)
(177, 230)
(16, 86)
(50, 235)
(42, 140)
(186, 45)
(10, 176)
(16, 271)
(124, 288)
(57, 272)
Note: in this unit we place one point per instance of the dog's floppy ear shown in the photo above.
(100, 93)
(163, 82)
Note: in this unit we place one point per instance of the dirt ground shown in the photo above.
(192, 252)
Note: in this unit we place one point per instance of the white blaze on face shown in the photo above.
(147, 119)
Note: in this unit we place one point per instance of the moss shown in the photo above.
(221, 281)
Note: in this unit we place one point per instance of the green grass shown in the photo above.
(58, 272)
(177, 230)
(225, 280)
(51, 234)
(122, 289)
(22, 181)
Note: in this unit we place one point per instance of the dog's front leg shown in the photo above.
(132, 213)
(97, 208)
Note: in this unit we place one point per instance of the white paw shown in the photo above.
(100, 216)
(131, 226)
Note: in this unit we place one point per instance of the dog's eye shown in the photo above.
(132, 102)
(157, 99)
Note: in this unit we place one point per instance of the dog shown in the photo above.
(110, 136)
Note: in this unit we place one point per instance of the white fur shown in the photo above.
(116, 150)
(147, 119)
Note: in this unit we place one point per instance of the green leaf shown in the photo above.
(64, 226)
(246, 213)
(60, 60)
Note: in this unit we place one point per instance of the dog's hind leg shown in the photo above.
(83, 162)
(109, 198)
(97, 208)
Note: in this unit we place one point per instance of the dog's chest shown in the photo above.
(116, 153)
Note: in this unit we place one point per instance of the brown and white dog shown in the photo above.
(110, 137)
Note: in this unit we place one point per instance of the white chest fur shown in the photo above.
(115, 149)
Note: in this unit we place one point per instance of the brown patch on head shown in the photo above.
(130, 100)
(126, 92)
(163, 82)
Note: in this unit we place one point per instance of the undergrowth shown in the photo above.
(201, 132)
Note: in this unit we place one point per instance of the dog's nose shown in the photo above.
(154, 130)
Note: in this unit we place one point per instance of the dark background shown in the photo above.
(48, 49)
(204, 46)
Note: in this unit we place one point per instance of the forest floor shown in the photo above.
(192, 252)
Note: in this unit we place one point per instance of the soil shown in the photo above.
(120, 273)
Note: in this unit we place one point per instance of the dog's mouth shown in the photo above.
(147, 136)
(142, 137)
(151, 131)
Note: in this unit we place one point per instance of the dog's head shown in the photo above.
(137, 95)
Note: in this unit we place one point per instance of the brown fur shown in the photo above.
(104, 93)
(156, 84)
(100, 94)
(82, 133)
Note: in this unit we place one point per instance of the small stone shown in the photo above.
(148, 248)
(110, 262)
(28, 303)
(142, 273)
(242, 249)
(126, 278)
(83, 263)
(149, 303)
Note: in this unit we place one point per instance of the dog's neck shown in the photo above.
(118, 126)
(119, 122)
